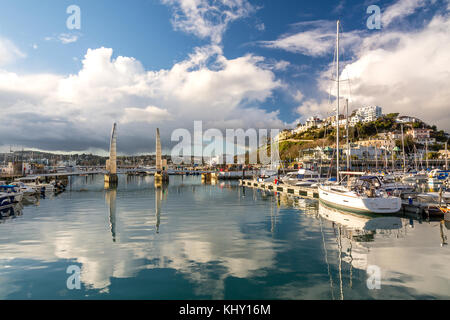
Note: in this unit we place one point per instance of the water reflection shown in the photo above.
(194, 241)
(160, 195)
(393, 244)
(110, 198)
(10, 212)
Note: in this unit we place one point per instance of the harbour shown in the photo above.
(192, 240)
(178, 152)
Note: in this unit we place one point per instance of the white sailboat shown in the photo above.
(365, 198)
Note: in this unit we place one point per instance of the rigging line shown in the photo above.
(331, 77)
(346, 70)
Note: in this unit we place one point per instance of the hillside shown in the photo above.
(293, 143)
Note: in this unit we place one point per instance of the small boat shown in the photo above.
(268, 175)
(393, 187)
(415, 177)
(428, 203)
(35, 183)
(13, 192)
(438, 177)
(26, 190)
(302, 177)
(6, 200)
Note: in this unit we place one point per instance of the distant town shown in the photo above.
(370, 134)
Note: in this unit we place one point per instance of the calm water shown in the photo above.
(194, 241)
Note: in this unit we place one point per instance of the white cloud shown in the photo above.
(317, 38)
(402, 72)
(55, 112)
(261, 27)
(281, 65)
(67, 38)
(298, 96)
(9, 52)
(312, 107)
(206, 18)
(64, 38)
(401, 9)
(151, 114)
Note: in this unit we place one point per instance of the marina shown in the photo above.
(182, 151)
(194, 240)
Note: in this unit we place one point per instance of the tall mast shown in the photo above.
(446, 157)
(403, 151)
(376, 157)
(337, 115)
(426, 153)
(393, 162)
(385, 159)
(348, 143)
(415, 158)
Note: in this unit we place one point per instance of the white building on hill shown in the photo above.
(369, 113)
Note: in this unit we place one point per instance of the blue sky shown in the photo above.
(232, 64)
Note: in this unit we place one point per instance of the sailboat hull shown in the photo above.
(358, 204)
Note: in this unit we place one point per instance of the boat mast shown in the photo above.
(426, 153)
(403, 151)
(446, 157)
(337, 115)
(376, 157)
(415, 158)
(348, 144)
(393, 162)
(385, 159)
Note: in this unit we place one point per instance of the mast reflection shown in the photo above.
(160, 195)
(349, 228)
(110, 198)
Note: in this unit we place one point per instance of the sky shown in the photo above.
(228, 63)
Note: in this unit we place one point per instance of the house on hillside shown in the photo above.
(421, 136)
(407, 119)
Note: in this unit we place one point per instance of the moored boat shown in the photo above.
(364, 196)
(302, 177)
(13, 192)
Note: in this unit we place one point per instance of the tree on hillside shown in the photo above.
(409, 144)
(392, 116)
